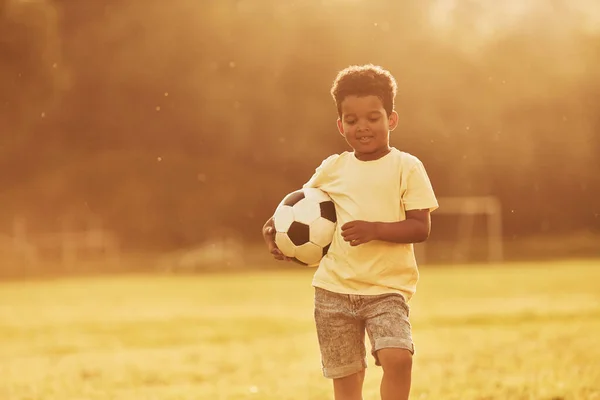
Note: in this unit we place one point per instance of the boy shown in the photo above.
(383, 199)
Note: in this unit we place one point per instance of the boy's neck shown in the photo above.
(373, 156)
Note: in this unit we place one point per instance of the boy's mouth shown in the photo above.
(365, 139)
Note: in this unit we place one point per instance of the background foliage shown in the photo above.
(172, 122)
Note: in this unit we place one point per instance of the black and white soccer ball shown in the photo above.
(305, 223)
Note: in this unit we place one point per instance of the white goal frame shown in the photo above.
(466, 208)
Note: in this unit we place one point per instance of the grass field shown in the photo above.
(518, 331)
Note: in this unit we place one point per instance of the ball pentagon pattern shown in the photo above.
(305, 222)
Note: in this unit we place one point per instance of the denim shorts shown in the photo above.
(342, 320)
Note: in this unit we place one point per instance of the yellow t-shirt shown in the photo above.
(381, 191)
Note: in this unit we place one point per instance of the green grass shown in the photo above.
(518, 331)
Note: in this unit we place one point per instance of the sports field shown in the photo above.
(518, 331)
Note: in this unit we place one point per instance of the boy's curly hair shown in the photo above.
(365, 80)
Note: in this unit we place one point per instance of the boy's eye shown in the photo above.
(350, 121)
(374, 119)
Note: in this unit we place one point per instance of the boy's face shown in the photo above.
(366, 126)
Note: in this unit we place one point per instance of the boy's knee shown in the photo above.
(395, 361)
(349, 387)
(350, 381)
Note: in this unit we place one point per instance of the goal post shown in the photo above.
(465, 209)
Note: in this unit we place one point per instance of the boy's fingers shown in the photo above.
(279, 255)
(347, 225)
(348, 232)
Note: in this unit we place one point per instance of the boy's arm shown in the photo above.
(414, 229)
(419, 200)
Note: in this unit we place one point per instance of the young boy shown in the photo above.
(383, 198)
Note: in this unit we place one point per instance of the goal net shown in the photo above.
(467, 222)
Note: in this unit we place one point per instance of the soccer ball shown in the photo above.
(305, 222)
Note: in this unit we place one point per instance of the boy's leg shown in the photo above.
(349, 387)
(341, 338)
(388, 326)
(397, 370)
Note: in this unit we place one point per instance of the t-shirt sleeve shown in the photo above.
(419, 194)
(320, 176)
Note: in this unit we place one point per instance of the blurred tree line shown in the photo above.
(171, 121)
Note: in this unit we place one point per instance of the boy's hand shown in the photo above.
(269, 236)
(359, 232)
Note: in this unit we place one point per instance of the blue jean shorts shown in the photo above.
(342, 320)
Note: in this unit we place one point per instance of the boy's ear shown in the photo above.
(340, 127)
(393, 120)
